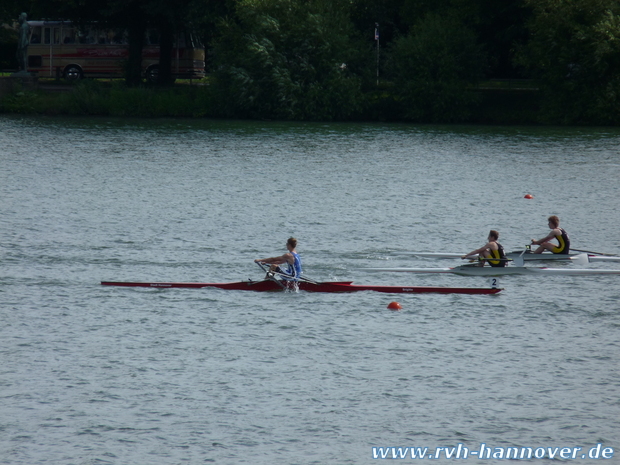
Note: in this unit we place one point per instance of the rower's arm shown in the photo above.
(477, 251)
(274, 260)
(552, 235)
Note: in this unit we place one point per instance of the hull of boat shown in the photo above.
(337, 286)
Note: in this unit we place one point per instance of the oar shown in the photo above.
(270, 274)
(519, 261)
(286, 276)
(594, 253)
(262, 266)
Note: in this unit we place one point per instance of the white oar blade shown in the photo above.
(581, 259)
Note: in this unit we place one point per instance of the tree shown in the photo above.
(287, 59)
(11, 9)
(432, 67)
(501, 29)
(574, 50)
(169, 18)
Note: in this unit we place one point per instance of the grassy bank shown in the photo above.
(91, 97)
(113, 98)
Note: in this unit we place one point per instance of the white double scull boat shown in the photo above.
(475, 270)
(527, 256)
(519, 269)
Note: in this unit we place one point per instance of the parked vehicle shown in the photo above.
(61, 49)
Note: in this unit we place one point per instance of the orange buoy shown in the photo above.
(528, 196)
(394, 306)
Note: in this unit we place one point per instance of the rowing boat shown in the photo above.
(519, 268)
(527, 256)
(276, 281)
(270, 285)
(475, 270)
(333, 287)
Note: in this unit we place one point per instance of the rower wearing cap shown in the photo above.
(557, 233)
(492, 251)
(291, 259)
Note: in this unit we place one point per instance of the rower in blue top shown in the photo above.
(291, 259)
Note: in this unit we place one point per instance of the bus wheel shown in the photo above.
(72, 73)
(152, 74)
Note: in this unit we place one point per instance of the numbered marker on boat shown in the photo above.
(494, 283)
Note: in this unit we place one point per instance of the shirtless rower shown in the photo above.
(557, 233)
(492, 251)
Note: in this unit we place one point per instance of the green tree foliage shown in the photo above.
(8, 48)
(283, 59)
(391, 15)
(11, 9)
(287, 59)
(500, 28)
(498, 25)
(574, 50)
(432, 67)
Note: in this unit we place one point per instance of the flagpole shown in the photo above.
(377, 40)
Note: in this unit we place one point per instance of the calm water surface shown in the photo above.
(98, 375)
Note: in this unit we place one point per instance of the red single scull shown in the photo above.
(268, 285)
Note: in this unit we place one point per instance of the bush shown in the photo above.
(433, 67)
(283, 59)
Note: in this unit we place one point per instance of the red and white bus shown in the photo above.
(61, 49)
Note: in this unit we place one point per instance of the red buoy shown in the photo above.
(528, 196)
(394, 306)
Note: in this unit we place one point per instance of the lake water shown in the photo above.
(99, 375)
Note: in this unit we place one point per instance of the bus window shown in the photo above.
(87, 36)
(69, 36)
(119, 37)
(190, 40)
(47, 36)
(35, 38)
(56, 35)
(195, 41)
(151, 37)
